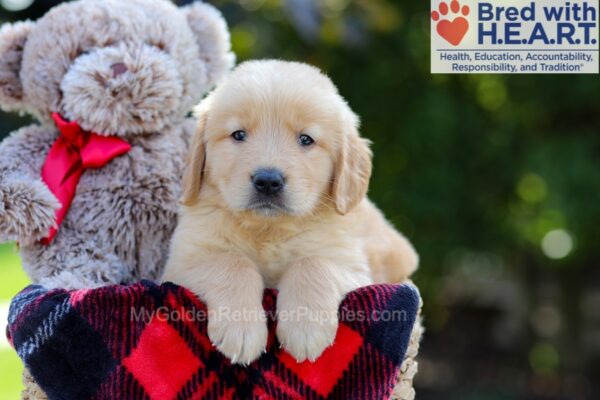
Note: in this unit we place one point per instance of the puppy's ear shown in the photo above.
(12, 40)
(353, 168)
(194, 171)
(212, 36)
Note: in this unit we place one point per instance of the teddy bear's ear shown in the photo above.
(12, 41)
(212, 35)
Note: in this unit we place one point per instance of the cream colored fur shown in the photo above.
(327, 239)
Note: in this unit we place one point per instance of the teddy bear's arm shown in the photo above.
(27, 206)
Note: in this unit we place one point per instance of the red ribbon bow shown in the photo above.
(72, 153)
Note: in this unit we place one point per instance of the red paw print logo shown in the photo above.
(452, 30)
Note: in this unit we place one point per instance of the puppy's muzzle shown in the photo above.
(268, 181)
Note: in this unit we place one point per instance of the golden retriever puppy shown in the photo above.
(274, 196)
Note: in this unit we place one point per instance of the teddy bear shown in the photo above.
(90, 192)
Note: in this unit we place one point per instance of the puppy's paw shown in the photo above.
(307, 334)
(241, 336)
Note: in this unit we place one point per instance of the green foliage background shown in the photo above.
(12, 279)
(476, 170)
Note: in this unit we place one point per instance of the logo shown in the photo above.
(451, 27)
(514, 36)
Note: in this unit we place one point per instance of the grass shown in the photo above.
(10, 375)
(12, 277)
(12, 280)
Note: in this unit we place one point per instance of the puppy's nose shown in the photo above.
(268, 181)
(118, 69)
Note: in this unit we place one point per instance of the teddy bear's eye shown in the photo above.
(159, 45)
(77, 53)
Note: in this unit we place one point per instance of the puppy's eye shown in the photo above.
(305, 140)
(239, 136)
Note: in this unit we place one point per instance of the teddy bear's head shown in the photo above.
(116, 67)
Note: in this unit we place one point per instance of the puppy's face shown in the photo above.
(269, 154)
(276, 138)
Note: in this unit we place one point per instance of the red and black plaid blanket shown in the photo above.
(145, 342)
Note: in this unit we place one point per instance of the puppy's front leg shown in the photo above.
(310, 293)
(232, 288)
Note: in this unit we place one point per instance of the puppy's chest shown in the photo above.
(274, 256)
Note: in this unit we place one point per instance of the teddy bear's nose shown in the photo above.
(118, 69)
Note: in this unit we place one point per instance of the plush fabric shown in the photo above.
(149, 342)
(132, 69)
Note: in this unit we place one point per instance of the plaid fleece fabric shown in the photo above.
(149, 342)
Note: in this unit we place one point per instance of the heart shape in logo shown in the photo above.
(453, 31)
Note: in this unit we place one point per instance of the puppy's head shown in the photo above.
(276, 138)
